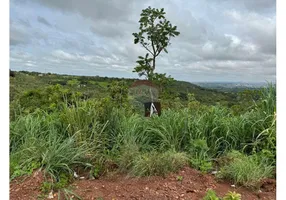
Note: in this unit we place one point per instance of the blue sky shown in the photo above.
(220, 40)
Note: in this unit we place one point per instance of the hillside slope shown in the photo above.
(96, 87)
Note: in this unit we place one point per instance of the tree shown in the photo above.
(12, 73)
(118, 91)
(73, 82)
(154, 35)
(162, 80)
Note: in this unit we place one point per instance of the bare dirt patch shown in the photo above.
(26, 187)
(186, 184)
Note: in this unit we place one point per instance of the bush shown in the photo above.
(17, 169)
(62, 181)
(211, 195)
(48, 98)
(118, 92)
(73, 82)
(232, 196)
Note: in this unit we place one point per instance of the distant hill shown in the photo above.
(96, 87)
(202, 94)
(232, 86)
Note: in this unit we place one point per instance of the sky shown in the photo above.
(220, 40)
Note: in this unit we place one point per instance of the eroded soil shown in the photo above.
(187, 184)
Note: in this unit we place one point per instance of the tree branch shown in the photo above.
(153, 48)
(160, 49)
(147, 49)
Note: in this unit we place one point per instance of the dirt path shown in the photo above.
(192, 186)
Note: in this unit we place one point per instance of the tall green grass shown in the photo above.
(156, 163)
(245, 170)
(42, 140)
(95, 131)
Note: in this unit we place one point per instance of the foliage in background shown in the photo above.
(118, 91)
(48, 98)
(97, 88)
(73, 82)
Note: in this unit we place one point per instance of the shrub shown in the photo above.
(232, 196)
(48, 98)
(118, 92)
(211, 195)
(73, 82)
(61, 182)
(17, 169)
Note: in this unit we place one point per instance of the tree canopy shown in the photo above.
(155, 33)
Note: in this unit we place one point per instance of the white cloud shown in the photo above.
(219, 39)
(259, 29)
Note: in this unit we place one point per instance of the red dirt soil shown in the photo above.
(26, 187)
(193, 186)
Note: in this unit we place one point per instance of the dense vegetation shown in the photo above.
(97, 87)
(64, 123)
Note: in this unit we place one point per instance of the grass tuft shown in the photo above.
(245, 170)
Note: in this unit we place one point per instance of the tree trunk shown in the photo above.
(153, 68)
(154, 62)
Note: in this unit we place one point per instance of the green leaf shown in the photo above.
(157, 33)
